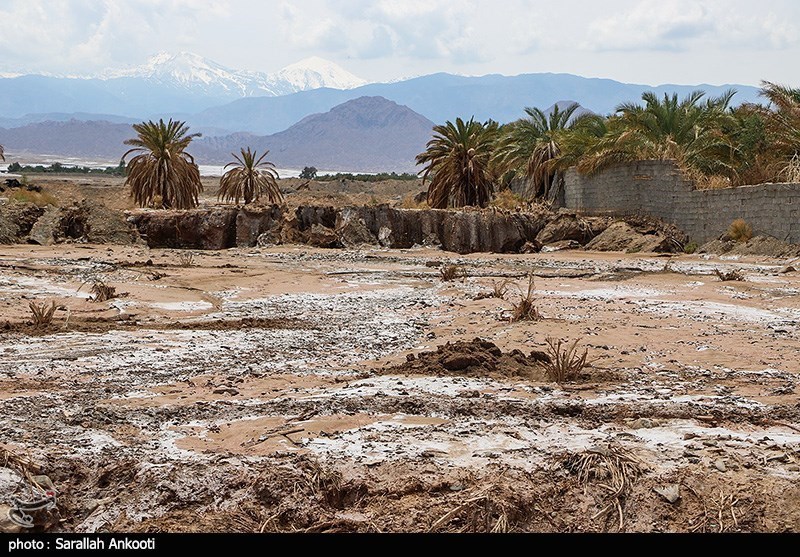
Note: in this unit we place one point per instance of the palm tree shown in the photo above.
(2, 153)
(784, 119)
(250, 178)
(162, 173)
(688, 131)
(533, 146)
(458, 162)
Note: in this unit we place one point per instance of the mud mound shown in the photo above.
(759, 245)
(639, 234)
(477, 357)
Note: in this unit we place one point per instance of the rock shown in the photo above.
(253, 222)
(719, 464)
(787, 269)
(322, 237)
(352, 230)
(565, 227)
(385, 237)
(269, 239)
(47, 229)
(621, 236)
(670, 492)
(211, 229)
(560, 246)
(642, 423)
(102, 225)
(531, 247)
(16, 221)
(226, 391)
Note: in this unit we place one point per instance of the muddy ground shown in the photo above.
(262, 390)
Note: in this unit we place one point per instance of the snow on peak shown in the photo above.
(188, 70)
(316, 72)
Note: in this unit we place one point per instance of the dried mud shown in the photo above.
(293, 389)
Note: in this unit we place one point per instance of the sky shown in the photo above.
(635, 41)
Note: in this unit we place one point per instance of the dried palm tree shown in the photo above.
(163, 174)
(2, 153)
(250, 178)
(458, 159)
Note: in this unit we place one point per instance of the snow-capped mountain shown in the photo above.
(190, 71)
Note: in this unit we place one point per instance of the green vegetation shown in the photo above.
(712, 142)
(308, 173)
(59, 168)
(458, 161)
(249, 179)
(163, 174)
(338, 177)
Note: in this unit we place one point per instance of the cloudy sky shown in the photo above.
(641, 41)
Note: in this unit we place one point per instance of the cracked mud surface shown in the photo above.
(272, 390)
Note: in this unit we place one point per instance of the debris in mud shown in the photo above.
(477, 357)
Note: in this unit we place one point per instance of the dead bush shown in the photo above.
(452, 272)
(731, 275)
(103, 292)
(740, 231)
(43, 313)
(186, 259)
(499, 291)
(566, 361)
(525, 309)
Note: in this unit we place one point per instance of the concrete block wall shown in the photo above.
(658, 188)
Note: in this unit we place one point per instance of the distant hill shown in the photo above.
(365, 134)
(441, 97)
(362, 135)
(71, 138)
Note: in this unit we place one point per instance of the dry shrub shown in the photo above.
(103, 292)
(525, 310)
(566, 362)
(499, 291)
(507, 199)
(791, 173)
(43, 314)
(412, 201)
(614, 470)
(716, 182)
(731, 275)
(740, 231)
(38, 198)
(452, 272)
(186, 259)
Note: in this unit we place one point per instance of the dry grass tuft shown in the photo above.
(566, 361)
(525, 310)
(740, 231)
(103, 292)
(43, 314)
(186, 259)
(731, 275)
(452, 272)
(507, 199)
(38, 198)
(792, 171)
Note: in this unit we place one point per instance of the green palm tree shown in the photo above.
(250, 178)
(533, 147)
(162, 173)
(457, 160)
(692, 132)
(784, 118)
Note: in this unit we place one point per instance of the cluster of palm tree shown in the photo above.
(707, 137)
(162, 174)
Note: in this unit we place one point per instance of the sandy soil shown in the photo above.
(272, 390)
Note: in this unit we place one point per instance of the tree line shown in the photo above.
(713, 142)
(467, 161)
